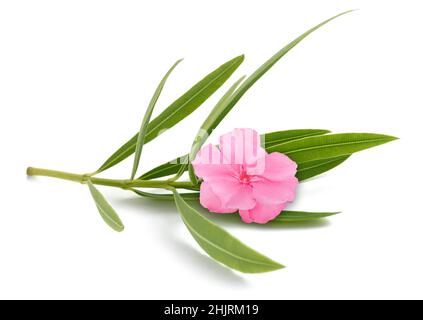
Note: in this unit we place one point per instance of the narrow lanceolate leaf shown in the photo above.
(166, 169)
(178, 110)
(147, 116)
(228, 103)
(207, 127)
(272, 138)
(248, 83)
(221, 245)
(301, 216)
(309, 169)
(328, 146)
(208, 124)
(269, 139)
(188, 196)
(108, 214)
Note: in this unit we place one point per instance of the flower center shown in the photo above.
(244, 177)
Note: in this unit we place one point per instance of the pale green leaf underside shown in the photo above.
(106, 211)
(147, 116)
(220, 244)
(188, 196)
(301, 216)
(178, 110)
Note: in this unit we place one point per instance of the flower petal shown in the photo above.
(272, 192)
(209, 164)
(224, 187)
(210, 201)
(241, 147)
(243, 198)
(263, 213)
(279, 167)
(245, 216)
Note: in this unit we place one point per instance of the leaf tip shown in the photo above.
(240, 58)
(279, 266)
(389, 138)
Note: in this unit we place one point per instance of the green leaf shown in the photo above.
(301, 216)
(275, 58)
(278, 137)
(220, 244)
(209, 124)
(178, 110)
(188, 196)
(230, 102)
(328, 146)
(310, 169)
(166, 169)
(108, 214)
(144, 125)
(272, 138)
(285, 216)
(226, 104)
(207, 127)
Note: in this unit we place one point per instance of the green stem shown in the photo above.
(124, 184)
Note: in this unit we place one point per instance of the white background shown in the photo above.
(75, 78)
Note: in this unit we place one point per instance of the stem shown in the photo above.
(124, 184)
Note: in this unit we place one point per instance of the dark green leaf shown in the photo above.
(108, 214)
(278, 137)
(329, 146)
(166, 169)
(220, 244)
(178, 110)
(310, 169)
(144, 125)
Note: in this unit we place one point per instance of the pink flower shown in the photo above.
(240, 175)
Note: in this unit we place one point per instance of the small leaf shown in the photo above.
(328, 146)
(166, 169)
(221, 245)
(188, 196)
(146, 120)
(301, 216)
(178, 110)
(108, 214)
(310, 169)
